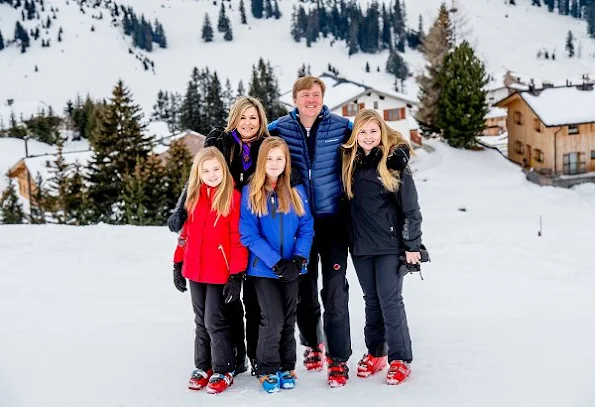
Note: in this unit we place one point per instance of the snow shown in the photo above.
(497, 31)
(496, 112)
(42, 165)
(561, 106)
(91, 317)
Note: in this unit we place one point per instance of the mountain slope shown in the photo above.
(92, 61)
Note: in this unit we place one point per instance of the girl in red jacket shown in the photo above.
(214, 261)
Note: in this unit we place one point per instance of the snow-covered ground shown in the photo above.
(90, 316)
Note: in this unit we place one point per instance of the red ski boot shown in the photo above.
(397, 372)
(338, 373)
(313, 358)
(368, 365)
(219, 382)
(199, 379)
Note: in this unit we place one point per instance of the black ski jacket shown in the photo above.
(383, 222)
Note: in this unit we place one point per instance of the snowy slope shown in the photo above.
(503, 318)
(91, 62)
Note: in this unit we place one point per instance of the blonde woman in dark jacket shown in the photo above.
(385, 222)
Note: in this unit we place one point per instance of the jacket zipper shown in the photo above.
(281, 232)
(216, 220)
(273, 209)
(224, 256)
(255, 262)
(241, 177)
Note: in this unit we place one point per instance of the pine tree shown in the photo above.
(243, 12)
(257, 7)
(1, 41)
(550, 5)
(227, 96)
(10, 207)
(39, 202)
(367, 67)
(462, 105)
(241, 89)
(536, 3)
(564, 7)
(386, 37)
(575, 9)
(177, 171)
(21, 35)
(145, 194)
(302, 71)
(223, 23)
(214, 103)
(296, 32)
(590, 17)
(397, 66)
(228, 34)
(276, 11)
(399, 26)
(268, 9)
(436, 45)
(207, 30)
(190, 111)
(570, 44)
(118, 146)
(161, 107)
(58, 185)
(264, 86)
(76, 204)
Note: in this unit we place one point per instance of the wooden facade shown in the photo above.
(20, 172)
(557, 150)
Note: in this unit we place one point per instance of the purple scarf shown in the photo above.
(246, 157)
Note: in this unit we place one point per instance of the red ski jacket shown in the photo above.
(209, 245)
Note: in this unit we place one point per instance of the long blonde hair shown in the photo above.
(390, 139)
(223, 195)
(237, 109)
(260, 187)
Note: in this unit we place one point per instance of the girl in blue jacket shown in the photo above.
(277, 227)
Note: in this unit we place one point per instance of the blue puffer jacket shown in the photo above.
(322, 176)
(275, 235)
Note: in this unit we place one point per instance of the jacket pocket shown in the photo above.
(224, 256)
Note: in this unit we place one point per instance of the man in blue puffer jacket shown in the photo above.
(314, 136)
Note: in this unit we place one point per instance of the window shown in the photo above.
(351, 109)
(538, 154)
(574, 163)
(592, 154)
(519, 147)
(518, 118)
(375, 104)
(394, 114)
(537, 125)
(573, 129)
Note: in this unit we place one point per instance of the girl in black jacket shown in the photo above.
(239, 142)
(385, 222)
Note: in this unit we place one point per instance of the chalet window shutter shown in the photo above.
(385, 114)
(345, 110)
(361, 106)
(402, 113)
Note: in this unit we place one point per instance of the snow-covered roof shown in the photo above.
(163, 144)
(41, 164)
(340, 90)
(496, 112)
(561, 106)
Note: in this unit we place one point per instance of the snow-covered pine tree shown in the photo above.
(11, 210)
(462, 105)
(58, 185)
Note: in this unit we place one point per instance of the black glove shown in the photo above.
(176, 220)
(231, 290)
(179, 280)
(407, 268)
(288, 270)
